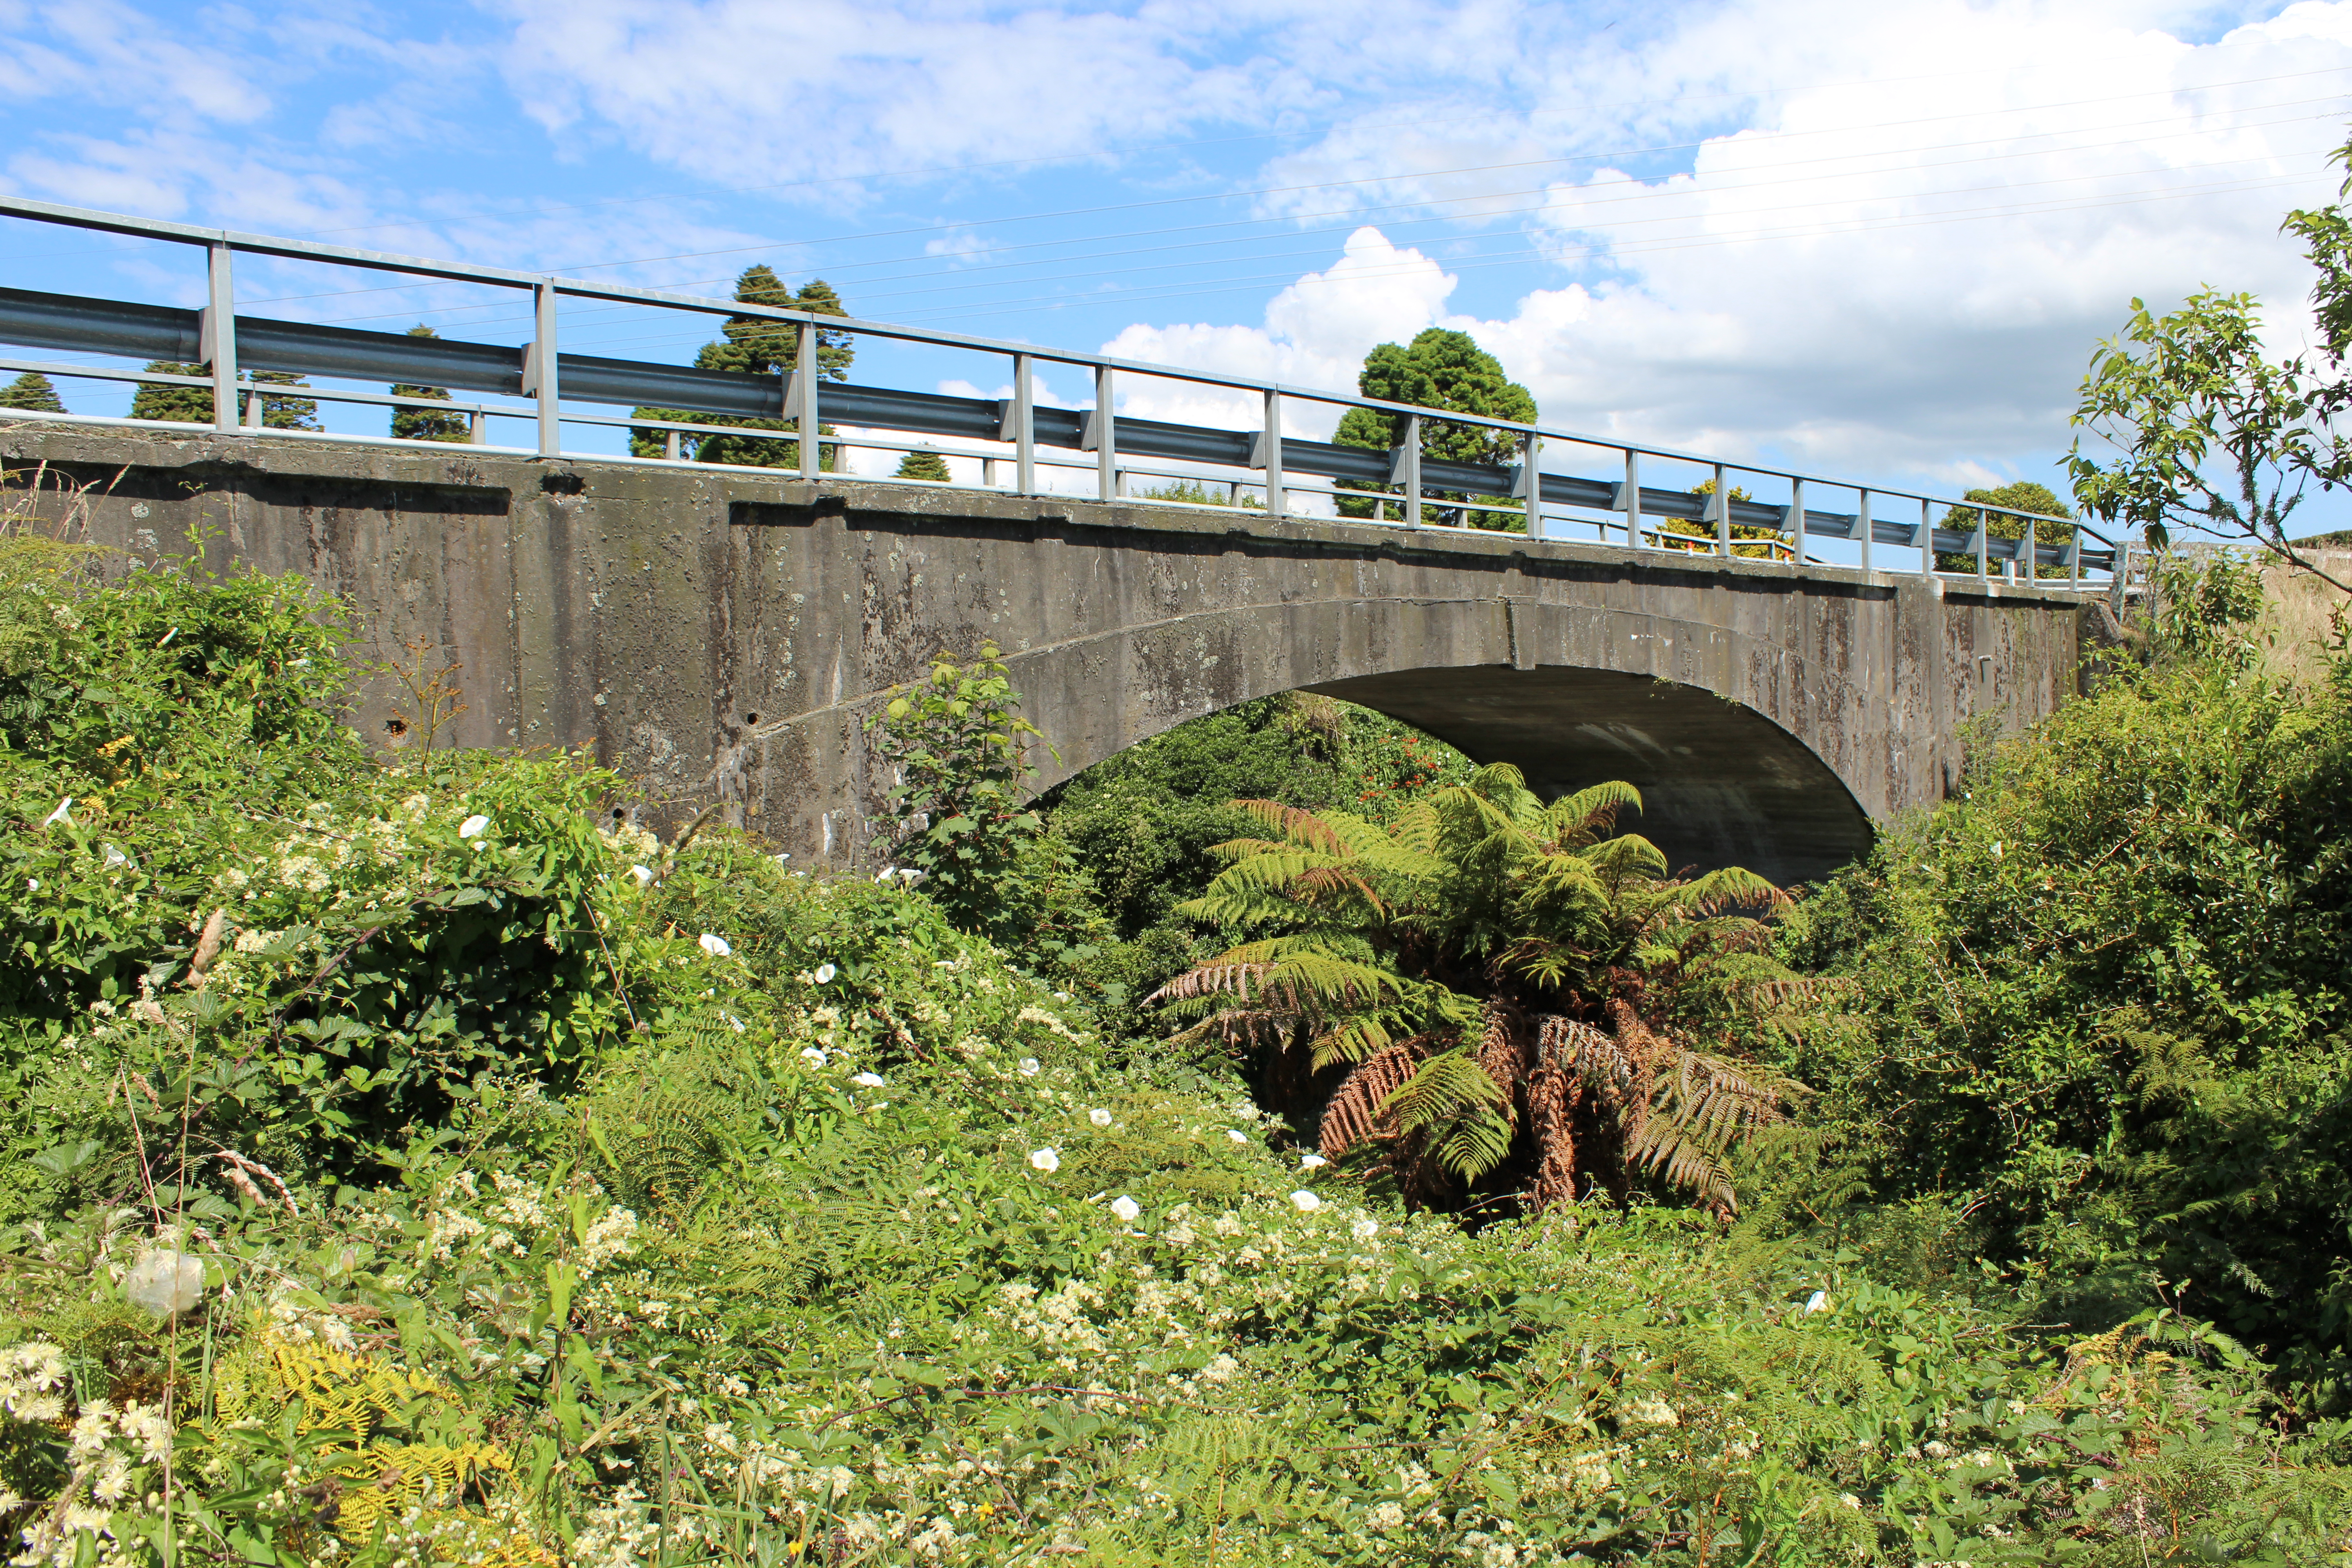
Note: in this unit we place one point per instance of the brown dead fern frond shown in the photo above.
(1353, 1113)
(1556, 1093)
(1213, 979)
(1325, 881)
(1298, 826)
(1503, 1042)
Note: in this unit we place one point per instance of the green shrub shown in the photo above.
(2099, 1002)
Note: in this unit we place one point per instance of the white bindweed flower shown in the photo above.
(824, 973)
(1046, 1160)
(115, 857)
(1127, 1208)
(1236, 1134)
(58, 816)
(1365, 1229)
(813, 1057)
(1028, 1066)
(1312, 1162)
(1818, 1301)
(715, 946)
(644, 874)
(1306, 1202)
(888, 874)
(473, 825)
(33, 883)
(870, 1079)
(1098, 1116)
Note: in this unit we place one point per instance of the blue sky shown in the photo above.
(1873, 238)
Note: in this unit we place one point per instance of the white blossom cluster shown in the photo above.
(113, 1458)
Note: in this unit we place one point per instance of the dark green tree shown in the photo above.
(194, 404)
(1748, 539)
(758, 346)
(1440, 368)
(2025, 495)
(426, 424)
(923, 465)
(32, 391)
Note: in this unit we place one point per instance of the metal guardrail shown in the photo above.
(1010, 431)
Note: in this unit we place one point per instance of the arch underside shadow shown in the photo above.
(1721, 784)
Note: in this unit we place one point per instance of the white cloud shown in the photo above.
(1316, 334)
(745, 90)
(104, 52)
(1901, 272)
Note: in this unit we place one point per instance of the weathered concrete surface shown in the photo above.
(725, 633)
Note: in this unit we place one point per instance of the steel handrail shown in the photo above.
(543, 370)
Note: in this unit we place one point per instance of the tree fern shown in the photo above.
(1520, 992)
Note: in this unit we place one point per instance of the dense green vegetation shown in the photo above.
(417, 1159)
(2099, 1007)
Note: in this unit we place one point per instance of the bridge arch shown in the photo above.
(1571, 694)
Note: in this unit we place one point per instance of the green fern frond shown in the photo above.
(1444, 1087)
(1627, 855)
(1700, 1111)
(1475, 1144)
(1732, 888)
(1581, 816)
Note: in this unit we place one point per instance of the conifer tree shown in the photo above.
(181, 405)
(194, 404)
(758, 346)
(32, 391)
(426, 424)
(1439, 369)
(924, 466)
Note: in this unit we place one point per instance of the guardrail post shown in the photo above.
(669, 444)
(1633, 498)
(1794, 521)
(218, 332)
(1120, 483)
(2074, 560)
(1984, 529)
(1862, 527)
(539, 369)
(2033, 556)
(1277, 504)
(252, 407)
(1024, 427)
(1531, 448)
(476, 428)
(806, 372)
(1408, 460)
(1722, 513)
(1105, 436)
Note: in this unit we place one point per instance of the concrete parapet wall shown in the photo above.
(725, 633)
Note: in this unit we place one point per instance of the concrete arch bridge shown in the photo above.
(724, 633)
